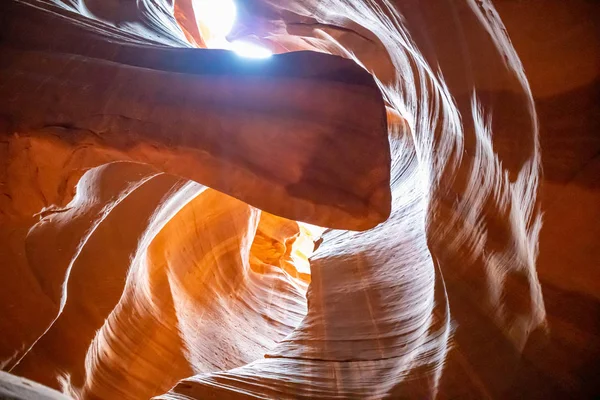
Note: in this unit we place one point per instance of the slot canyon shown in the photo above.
(299, 199)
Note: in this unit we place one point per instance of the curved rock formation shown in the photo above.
(131, 272)
(127, 96)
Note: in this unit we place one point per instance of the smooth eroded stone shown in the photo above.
(300, 135)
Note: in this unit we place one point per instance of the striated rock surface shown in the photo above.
(126, 98)
(132, 273)
(14, 387)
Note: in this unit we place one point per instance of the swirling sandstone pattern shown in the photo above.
(130, 280)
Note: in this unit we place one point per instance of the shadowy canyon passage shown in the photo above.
(304, 199)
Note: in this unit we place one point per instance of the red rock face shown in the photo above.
(150, 194)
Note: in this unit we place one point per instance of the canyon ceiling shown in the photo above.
(402, 202)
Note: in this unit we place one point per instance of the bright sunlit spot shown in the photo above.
(218, 16)
(216, 19)
(250, 50)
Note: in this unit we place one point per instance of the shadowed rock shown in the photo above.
(300, 135)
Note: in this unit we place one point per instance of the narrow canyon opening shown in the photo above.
(304, 199)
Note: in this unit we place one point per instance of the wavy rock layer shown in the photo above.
(206, 269)
(126, 99)
(137, 282)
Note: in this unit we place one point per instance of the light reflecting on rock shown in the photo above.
(150, 193)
